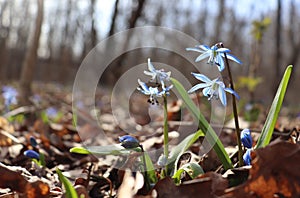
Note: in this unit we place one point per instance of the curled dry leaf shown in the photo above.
(207, 185)
(17, 182)
(130, 185)
(274, 173)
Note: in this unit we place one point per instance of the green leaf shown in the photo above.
(268, 128)
(114, 149)
(192, 168)
(42, 160)
(211, 135)
(79, 150)
(70, 191)
(150, 169)
(183, 146)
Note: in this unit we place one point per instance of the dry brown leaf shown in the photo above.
(208, 185)
(16, 182)
(7, 129)
(130, 185)
(275, 173)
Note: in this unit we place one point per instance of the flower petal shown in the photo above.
(229, 90)
(195, 49)
(206, 91)
(220, 62)
(150, 66)
(204, 47)
(201, 77)
(145, 90)
(222, 95)
(247, 157)
(223, 50)
(202, 56)
(150, 74)
(232, 57)
(198, 86)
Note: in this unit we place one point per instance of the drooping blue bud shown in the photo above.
(247, 157)
(246, 138)
(32, 154)
(33, 141)
(127, 141)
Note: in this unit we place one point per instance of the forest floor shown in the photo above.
(50, 122)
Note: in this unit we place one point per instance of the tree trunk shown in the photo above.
(135, 14)
(218, 24)
(29, 63)
(113, 20)
(278, 40)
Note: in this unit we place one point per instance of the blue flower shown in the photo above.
(246, 138)
(127, 141)
(33, 141)
(10, 95)
(215, 55)
(213, 89)
(32, 154)
(51, 112)
(153, 92)
(247, 157)
(160, 76)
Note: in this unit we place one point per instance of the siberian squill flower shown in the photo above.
(153, 92)
(127, 141)
(213, 89)
(160, 76)
(51, 112)
(33, 141)
(32, 154)
(10, 95)
(215, 55)
(246, 138)
(247, 157)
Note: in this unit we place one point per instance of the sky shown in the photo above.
(243, 8)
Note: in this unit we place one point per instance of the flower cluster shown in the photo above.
(213, 89)
(160, 77)
(10, 96)
(215, 55)
(247, 142)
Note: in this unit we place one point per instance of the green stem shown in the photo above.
(235, 113)
(147, 182)
(166, 134)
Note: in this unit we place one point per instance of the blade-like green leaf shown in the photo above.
(182, 147)
(114, 149)
(268, 128)
(204, 125)
(70, 191)
(192, 168)
(79, 150)
(150, 169)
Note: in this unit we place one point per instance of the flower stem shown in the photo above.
(166, 134)
(235, 113)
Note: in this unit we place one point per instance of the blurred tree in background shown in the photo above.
(71, 28)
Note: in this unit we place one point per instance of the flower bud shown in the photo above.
(32, 154)
(247, 157)
(33, 141)
(128, 142)
(246, 138)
